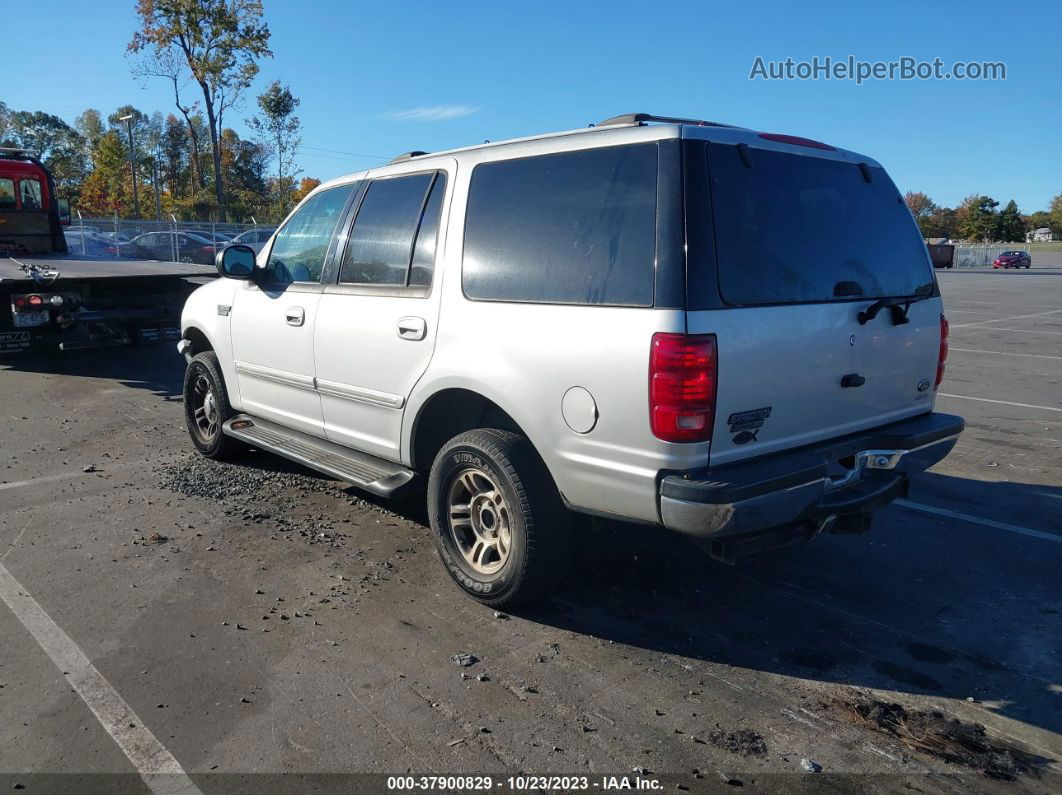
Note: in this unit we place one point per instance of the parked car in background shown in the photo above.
(1013, 259)
(211, 234)
(88, 242)
(615, 331)
(172, 246)
(255, 238)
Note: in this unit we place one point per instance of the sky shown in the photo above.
(379, 78)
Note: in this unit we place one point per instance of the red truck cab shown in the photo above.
(30, 217)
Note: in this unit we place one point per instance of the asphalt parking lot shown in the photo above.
(166, 615)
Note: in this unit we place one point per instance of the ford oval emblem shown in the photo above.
(923, 385)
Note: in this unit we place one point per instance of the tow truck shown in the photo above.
(51, 300)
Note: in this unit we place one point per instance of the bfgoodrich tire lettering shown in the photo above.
(499, 525)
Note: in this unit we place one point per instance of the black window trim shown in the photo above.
(659, 280)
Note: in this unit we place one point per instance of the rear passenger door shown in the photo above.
(377, 317)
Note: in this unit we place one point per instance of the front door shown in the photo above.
(376, 326)
(273, 319)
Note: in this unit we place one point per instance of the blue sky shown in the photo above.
(379, 78)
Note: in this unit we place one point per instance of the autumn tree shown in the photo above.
(306, 184)
(278, 130)
(1055, 213)
(977, 218)
(219, 42)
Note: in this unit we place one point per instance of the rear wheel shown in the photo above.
(206, 408)
(498, 521)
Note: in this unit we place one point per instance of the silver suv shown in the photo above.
(733, 334)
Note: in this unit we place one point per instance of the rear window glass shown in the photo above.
(31, 193)
(569, 228)
(794, 228)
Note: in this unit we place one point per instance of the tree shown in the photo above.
(278, 130)
(306, 184)
(219, 42)
(105, 190)
(90, 124)
(174, 146)
(59, 146)
(920, 205)
(977, 218)
(1055, 213)
(1011, 225)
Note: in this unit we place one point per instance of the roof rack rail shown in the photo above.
(644, 118)
(406, 156)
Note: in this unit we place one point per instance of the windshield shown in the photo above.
(795, 228)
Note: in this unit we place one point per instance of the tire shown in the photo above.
(511, 544)
(206, 408)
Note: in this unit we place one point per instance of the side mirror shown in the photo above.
(64, 211)
(235, 262)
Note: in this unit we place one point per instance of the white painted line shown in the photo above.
(1005, 353)
(1001, 402)
(1019, 330)
(158, 768)
(1010, 528)
(1004, 319)
(46, 479)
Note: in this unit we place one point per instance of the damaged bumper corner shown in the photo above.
(851, 475)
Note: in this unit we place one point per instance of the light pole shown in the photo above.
(132, 162)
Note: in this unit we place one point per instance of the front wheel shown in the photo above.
(206, 408)
(498, 521)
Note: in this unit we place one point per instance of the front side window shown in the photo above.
(567, 228)
(31, 193)
(381, 240)
(7, 194)
(300, 247)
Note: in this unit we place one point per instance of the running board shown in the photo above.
(365, 471)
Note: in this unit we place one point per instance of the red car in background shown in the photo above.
(1013, 259)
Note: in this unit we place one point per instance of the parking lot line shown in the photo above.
(158, 768)
(1010, 528)
(1003, 402)
(1018, 330)
(1006, 353)
(1003, 319)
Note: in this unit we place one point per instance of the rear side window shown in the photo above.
(568, 228)
(794, 228)
(300, 247)
(381, 240)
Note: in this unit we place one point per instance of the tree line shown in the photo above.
(140, 164)
(978, 219)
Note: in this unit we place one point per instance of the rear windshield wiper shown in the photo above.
(898, 306)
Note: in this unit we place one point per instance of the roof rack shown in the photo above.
(644, 118)
(406, 156)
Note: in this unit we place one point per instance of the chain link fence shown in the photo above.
(172, 241)
(981, 256)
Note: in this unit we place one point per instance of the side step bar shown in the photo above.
(365, 471)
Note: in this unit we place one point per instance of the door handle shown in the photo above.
(295, 316)
(412, 328)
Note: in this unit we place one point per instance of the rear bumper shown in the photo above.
(854, 474)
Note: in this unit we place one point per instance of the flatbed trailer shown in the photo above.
(62, 303)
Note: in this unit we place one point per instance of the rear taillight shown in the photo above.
(942, 356)
(35, 300)
(682, 379)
